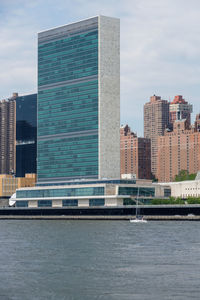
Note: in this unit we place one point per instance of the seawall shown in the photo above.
(153, 212)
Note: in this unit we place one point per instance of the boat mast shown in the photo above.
(137, 199)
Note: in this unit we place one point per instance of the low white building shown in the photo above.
(185, 189)
(104, 192)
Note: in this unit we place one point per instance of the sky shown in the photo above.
(160, 47)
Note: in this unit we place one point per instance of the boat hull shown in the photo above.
(138, 221)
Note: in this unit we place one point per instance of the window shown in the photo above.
(44, 203)
(143, 191)
(21, 204)
(70, 202)
(167, 192)
(96, 202)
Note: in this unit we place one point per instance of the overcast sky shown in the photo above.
(160, 47)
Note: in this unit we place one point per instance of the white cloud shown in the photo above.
(160, 47)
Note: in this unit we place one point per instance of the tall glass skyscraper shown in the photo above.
(26, 134)
(79, 101)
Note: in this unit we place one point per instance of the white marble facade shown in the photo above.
(109, 97)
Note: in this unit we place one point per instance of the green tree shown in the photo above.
(184, 175)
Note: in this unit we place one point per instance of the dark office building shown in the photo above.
(26, 134)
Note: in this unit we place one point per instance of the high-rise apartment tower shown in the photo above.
(135, 154)
(156, 118)
(79, 101)
(7, 136)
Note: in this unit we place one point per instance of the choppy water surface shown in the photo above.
(99, 260)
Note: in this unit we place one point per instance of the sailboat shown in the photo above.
(138, 217)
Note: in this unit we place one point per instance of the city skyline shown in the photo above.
(159, 48)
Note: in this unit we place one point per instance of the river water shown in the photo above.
(108, 260)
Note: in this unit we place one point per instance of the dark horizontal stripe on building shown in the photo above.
(67, 82)
(68, 135)
(64, 35)
(60, 180)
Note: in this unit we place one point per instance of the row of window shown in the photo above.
(64, 77)
(70, 117)
(137, 191)
(50, 70)
(73, 34)
(68, 51)
(109, 181)
(61, 44)
(83, 106)
(77, 125)
(80, 89)
(86, 191)
(79, 158)
(73, 202)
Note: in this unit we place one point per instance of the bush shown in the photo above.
(171, 200)
(193, 200)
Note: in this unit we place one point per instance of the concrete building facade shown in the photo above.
(185, 189)
(79, 101)
(178, 150)
(135, 154)
(156, 119)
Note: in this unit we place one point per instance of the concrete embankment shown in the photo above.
(149, 218)
(153, 212)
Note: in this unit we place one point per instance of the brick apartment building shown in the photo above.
(135, 154)
(179, 150)
(156, 119)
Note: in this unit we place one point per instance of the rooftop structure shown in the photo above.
(179, 109)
